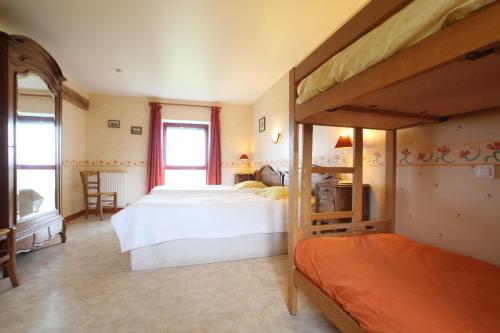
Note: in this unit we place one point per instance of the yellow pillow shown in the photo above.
(250, 184)
(274, 192)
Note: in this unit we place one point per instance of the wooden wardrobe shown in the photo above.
(30, 135)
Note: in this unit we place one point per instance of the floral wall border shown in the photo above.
(485, 152)
(461, 154)
(102, 163)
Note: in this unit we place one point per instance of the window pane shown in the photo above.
(185, 177)
(35, 142)
(185, 146)
(36, 191)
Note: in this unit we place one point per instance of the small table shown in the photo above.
(241, 177)
(335, 197)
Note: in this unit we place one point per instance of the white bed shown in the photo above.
(176, 228)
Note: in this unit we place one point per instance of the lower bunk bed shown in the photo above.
(389, 283)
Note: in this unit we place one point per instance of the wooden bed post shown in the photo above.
(305, 183)
(293, 201)
(357, 177)
(389, 202)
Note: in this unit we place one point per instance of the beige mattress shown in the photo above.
(416, 21)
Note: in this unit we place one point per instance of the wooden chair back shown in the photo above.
(93, 185)
(92, 195)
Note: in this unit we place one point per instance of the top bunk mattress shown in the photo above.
(416, 21)
(389, 283)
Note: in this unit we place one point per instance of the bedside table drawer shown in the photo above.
(325, 206)
(325, 193)
(332, 197)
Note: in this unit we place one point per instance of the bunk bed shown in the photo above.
(438, 73)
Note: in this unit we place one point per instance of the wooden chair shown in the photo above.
(8, 254)
(92, 189)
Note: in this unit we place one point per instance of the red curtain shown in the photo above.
(214, 157)
(155, 166)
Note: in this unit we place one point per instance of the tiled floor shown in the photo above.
(86, 285)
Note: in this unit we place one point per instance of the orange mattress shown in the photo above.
(389, 283)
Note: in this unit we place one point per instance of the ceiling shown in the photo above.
(209, 50)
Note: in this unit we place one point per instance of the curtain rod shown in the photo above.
(181, 104)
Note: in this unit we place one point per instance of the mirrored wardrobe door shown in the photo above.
(35, 147)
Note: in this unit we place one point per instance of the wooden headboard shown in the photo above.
(268, 176)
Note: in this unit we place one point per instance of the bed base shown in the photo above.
(330, 309)
(185, 252)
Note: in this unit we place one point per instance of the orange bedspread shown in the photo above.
(389, 283)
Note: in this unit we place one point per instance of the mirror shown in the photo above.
(35, 147)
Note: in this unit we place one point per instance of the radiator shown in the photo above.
(115, 182)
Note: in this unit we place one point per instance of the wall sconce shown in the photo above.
(276, 137)
(244, 158)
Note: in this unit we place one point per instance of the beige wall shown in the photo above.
(72, 153)
(73, 150)
(115, 149)
(440, 203)
(274, 106)
(110, 149)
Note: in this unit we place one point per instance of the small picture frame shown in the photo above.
(262, 124)
(113, 123)
(137, 130)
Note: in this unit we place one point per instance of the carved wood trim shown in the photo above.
(74, 97)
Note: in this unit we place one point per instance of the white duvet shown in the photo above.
(199, 189)
(159, 218)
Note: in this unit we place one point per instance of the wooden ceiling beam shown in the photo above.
(74, 98)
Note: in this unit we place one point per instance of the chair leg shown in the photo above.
(86, 208)
(100, 207)
(11, 264)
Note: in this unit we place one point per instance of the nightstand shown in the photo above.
(241, 177)
(334, 197)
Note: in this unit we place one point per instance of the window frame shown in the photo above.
(184, 167)
(36, 119)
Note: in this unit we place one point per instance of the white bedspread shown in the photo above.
(199, 189)
(160, 218)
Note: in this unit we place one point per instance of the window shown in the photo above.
(185, 153)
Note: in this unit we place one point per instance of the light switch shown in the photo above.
(484, 171)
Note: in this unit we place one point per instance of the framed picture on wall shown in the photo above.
(262, 124)
(136, 130)
(113, 123)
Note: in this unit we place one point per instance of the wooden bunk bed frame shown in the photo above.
(454, 72)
